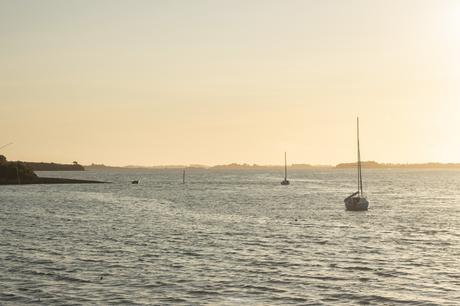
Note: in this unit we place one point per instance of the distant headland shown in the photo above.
(42, 166)
(19, 173)
(54, 167)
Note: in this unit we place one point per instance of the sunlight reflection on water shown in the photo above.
(232, 238)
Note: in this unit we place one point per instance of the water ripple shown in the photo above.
(229, 238)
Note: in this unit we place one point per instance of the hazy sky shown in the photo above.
(211, 82)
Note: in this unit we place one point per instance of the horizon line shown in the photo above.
(236, 164)
(246, 164)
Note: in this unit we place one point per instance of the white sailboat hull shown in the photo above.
(356, 203)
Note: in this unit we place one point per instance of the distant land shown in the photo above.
(233, 166)
(376, 165)
(53, 166)
(45, 166)
(19, 173)
(244, 166)
(106, 167)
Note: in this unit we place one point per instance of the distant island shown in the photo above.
(19, 173)
(131, 167)
(376, 165)
(233, 166)
(245, 166)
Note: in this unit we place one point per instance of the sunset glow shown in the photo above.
(212, 82)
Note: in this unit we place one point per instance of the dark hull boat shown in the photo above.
(357, 201)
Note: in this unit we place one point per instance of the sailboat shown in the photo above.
(357, 201)
(285, 181)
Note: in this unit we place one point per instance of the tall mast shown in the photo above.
(183, 176)
(6, 145)
(285, 167)
(360, 180)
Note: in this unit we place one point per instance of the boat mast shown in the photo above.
(6, 145)
(183, 176)
(360, 179)
(285, 167)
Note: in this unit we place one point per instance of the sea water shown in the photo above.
(232, 238)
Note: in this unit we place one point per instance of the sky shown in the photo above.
(215, 82)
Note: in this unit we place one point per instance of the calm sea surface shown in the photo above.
(232, 238)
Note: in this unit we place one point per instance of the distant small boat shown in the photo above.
(357, 201)
(285, 181)
(135, 182)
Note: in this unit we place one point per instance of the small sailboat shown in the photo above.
(135, 182)
(183, 176)
(285, 181)
(357, 201)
